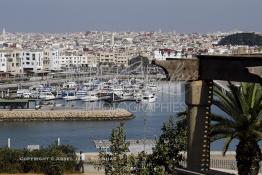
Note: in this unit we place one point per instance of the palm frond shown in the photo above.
(228, 140)
(235, 91)
(221, 130)
(258, 134)
(218, 137)
(223, 121)
(225, 108)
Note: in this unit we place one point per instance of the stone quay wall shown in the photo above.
(65, 115)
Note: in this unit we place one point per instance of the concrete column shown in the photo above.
(199, 96)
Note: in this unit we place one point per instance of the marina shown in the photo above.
(108, 90)
(146, 124)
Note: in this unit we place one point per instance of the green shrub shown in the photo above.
(55, 160)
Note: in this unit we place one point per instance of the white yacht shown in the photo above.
(70, 96)
(88, 85)
(128, 94)
(81, 93)
(90, 97)
(151, 98)
(38, 88)
(34, 94)
(23, 93)
(69, 85)
(46, 96)
(118, 91)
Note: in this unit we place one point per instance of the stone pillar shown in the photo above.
(199, 96)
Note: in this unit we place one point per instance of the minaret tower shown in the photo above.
(113, 40)
(3, 34)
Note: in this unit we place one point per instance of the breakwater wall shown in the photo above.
(66, 115)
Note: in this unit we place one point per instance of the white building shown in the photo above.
(32, 61)
(14, 62)
(10, 61)
(3, 61)
(163, 54)
(76, 59)
(51, 59)
(114, 57)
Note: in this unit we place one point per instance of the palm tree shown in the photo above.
(243, 106)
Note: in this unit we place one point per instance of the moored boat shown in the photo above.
(47, 96)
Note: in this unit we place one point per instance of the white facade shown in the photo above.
(10, 61)
(118, 58)
(77, 61)
(3, 62)
(32, 61)
(54, 60)
(14, 62)
(164, 54)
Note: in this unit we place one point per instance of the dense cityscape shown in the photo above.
(21, 53)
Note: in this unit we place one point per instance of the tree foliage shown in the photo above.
(60, 159)
(170, 145)
(249, 39)
(166, 155)
(115, 162)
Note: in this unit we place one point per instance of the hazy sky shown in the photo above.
(130, 15)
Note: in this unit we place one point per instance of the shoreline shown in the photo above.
(64, 115)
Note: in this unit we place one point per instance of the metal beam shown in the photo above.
(207, 67)
(230, 68)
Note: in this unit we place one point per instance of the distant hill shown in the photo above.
(249, 39)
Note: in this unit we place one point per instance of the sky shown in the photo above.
(130, 15)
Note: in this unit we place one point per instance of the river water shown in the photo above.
(149, 118)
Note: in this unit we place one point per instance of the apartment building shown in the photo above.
(10, 61)
(163, 54)
(51, 60)
(14, 62)
(3, 61)
(32, 61)
(104, 57)
(114, 57)
(76, 59)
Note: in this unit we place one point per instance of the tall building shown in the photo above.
(32, 61)
(3, 61)
(10, 61)
(3, 34)
(113, 40)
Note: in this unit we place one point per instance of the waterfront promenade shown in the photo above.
(64, 115)
(218, 162)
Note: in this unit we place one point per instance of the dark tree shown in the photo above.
(116, 161)
(167, 153)
(249, 39)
